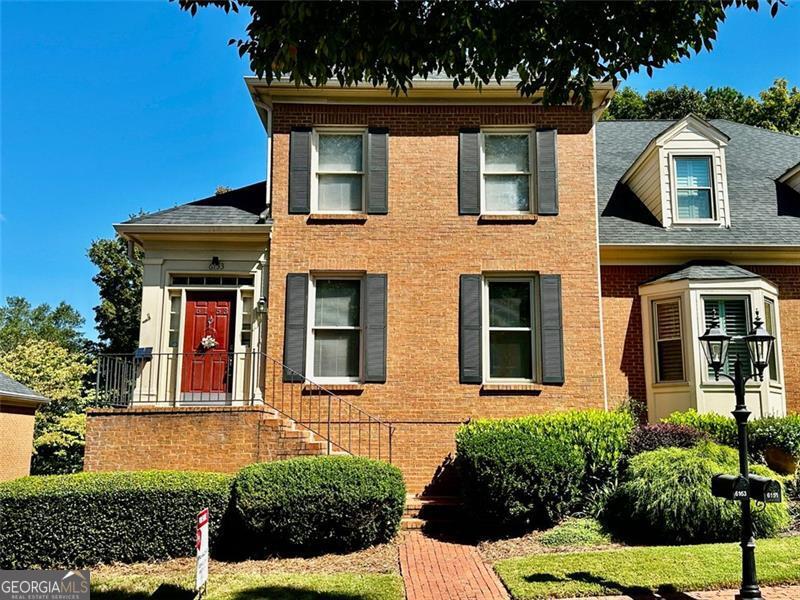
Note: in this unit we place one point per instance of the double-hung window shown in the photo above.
(336, 329)
(509, 329)
(733, 313)
(770, 325)
(694, 194)
(668, 339)
(506, 160)
(339, 171)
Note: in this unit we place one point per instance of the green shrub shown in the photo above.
(513, 477)
(88, 518)
(666, 499)
(782, 433)
(720, 428)
(331, 503)
(575, 533)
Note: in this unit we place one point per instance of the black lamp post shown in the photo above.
(715, 345)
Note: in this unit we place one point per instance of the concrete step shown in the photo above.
(432, 507)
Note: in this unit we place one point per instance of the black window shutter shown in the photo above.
(469, 167)
(300, 171)
(377, 171)
(552, 346)
(294, 335)
(546, 172)
(375, 329)
(469, 335)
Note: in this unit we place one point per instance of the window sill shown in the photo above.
(323, 218)
(336, 388)
(511, 389)
(528, 218)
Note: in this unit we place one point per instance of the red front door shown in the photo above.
(207, 366)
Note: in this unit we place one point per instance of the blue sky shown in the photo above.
(108, 108)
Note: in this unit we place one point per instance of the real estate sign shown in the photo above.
(201, 573)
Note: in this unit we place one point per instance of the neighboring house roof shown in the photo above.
(242, 206)
(705, 271)
(761, 213)
(11, 389)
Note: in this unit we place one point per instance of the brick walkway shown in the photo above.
(769, 593)
(436, 570)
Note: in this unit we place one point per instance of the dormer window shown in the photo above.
(693, 190)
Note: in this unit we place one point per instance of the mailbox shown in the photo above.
(732, 487)
(764, 489)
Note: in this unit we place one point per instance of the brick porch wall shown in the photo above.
(622, 326)
(424, 245)
(196, 439)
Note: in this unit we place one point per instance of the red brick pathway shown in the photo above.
(436, 570)
(769, 593)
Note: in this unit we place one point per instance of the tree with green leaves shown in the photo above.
(560, 47)
(20, 321)
(777, 107)
(60, 375)
(119, 280)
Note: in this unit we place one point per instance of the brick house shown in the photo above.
(413, 262)
(18, 404)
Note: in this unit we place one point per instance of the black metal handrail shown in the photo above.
(218, 378)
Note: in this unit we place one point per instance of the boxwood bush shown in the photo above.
(514, 478)
(88, 518)
(665, 498)
(331, 503)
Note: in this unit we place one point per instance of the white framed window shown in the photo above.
(694, 188)
(338, 181)
(733, 313)
(175, 301)
(506, 172)
(667, 334)
(771, 325)
(335, 329)
(509, 327)
(246, 333)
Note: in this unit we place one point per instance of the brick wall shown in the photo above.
(424, 245)
(622, 326)
(196, 439)
(16, 431)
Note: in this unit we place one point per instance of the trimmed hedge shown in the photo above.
(532, 471)
(666, 499)
(782, 433)
(664, 435)
(83, 519)
(331, 503)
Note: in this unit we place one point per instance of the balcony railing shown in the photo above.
(214, 378)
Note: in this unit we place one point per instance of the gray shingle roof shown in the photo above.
(707, 270)
(762, 211)
(15, 388)
(242, 206)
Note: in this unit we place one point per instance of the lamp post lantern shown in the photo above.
(715, 343)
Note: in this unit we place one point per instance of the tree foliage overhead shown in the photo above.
(561, 47)
(777, 108)
(119, 280)
(20, 321)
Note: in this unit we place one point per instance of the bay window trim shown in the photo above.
(530, 172)
(487, 328)
(316, 132)
(656, 339)
(312, 327)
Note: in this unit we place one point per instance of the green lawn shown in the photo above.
(251, 587)
(646, 569)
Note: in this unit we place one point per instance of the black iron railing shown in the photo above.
(242, 378)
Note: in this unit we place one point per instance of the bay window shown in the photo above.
(669, 340)
(734, 317)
